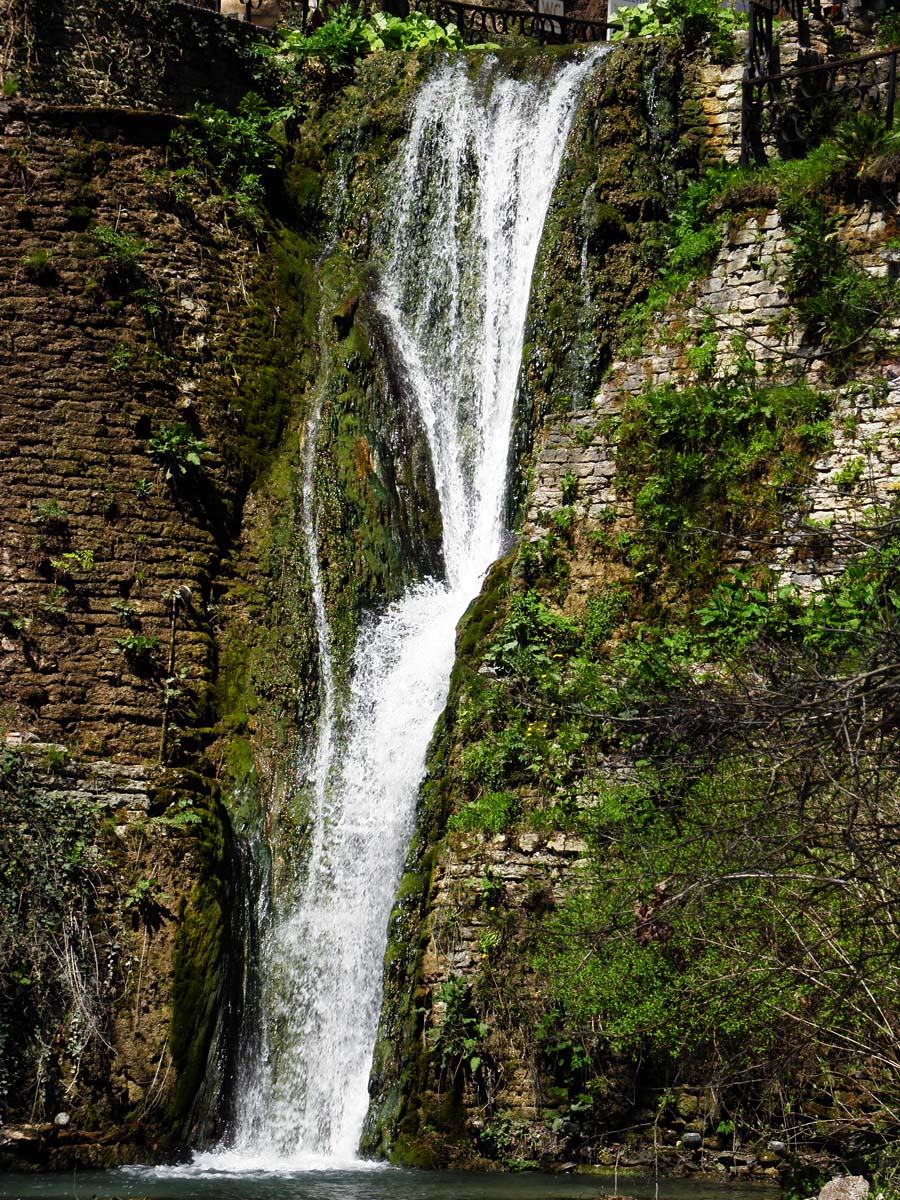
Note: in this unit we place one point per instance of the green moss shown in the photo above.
(200, 965)
(415, 1154)
(723, 455)
(617, 184)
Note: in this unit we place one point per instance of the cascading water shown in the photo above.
(468, 205)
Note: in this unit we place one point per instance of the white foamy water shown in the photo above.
(470, 196)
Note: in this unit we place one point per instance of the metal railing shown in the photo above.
(475, 22)
(760, 52)
(481, 24)
(792, 110)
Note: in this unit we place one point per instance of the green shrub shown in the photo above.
(697, 21)
(176, 449)
(238, 151)
(120, 252)
(842, 305)
(39, 266)
(700, 456)
(491, 812)
(349, 35)
(862, 137)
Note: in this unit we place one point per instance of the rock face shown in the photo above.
(476, 1060)
(845, 1187)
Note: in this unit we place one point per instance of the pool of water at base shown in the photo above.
(378, 1183)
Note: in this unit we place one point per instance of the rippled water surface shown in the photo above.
(377, 1183)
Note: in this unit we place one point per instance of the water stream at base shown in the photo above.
(470, 196)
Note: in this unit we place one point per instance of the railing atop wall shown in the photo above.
(480, 24)
(792, 110)
(760, 54)
(476, 23)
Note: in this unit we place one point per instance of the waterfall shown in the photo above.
(469, 197)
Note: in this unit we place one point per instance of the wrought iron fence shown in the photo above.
(475, 22)
(760, 53)
(481, 24)
(792, 111)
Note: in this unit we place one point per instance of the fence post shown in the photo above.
(752, 152)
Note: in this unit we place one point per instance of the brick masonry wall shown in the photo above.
(126, 53)
(744, 298)
(87, 380)
(113, 1046)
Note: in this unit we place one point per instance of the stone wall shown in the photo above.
(134, 303)
(720, 99)
(96, 539)
(104, 1058)
(744, 298)
(126, 53)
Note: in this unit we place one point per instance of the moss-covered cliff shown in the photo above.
(626, 916)
(182, 292)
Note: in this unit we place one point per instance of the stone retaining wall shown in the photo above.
(95, 539)
(146, 53)
(745, 303)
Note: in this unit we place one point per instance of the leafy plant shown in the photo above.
(50, 516)
(696, 20)
(121, 252)
(461, 1034)
(849, 476)
(54, 605)
(490, 812)
(139, 649)
(121, 358)
(861, 138)
(842, 304)
(349, 35)
(179, 815)
(127, 613)
(416, 31)
(177, 450)
(239, 151)
(146, 902)
(39, 266)
(81, 560)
